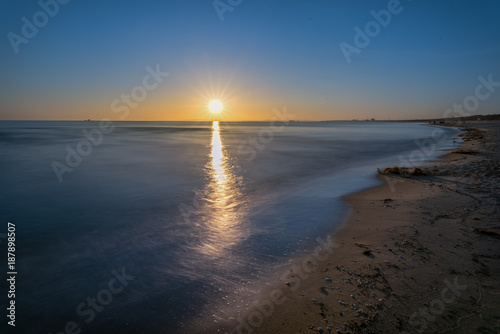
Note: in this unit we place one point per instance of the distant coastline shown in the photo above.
(453, 120)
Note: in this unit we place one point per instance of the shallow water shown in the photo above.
(200, 214)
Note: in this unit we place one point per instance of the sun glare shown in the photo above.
(215, 106)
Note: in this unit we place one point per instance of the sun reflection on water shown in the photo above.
(223, 211)
(219, 167)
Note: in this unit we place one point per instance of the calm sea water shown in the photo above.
(201, 215)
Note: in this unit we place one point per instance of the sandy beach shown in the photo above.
(418, 254)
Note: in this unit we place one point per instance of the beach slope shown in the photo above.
(418, 254)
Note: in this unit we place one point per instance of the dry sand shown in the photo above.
(418, 254)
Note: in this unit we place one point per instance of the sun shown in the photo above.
(215, 106)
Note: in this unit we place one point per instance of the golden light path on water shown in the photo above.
(223, 212)
(218, 167)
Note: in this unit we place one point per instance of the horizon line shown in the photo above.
(248, 121)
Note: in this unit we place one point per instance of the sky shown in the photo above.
(319, 59)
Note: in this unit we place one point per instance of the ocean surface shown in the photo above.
(195, 218)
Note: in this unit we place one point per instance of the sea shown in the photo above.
(176, 227)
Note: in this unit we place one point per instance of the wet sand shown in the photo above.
(418, 254)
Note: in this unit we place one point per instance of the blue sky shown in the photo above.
(264, 54)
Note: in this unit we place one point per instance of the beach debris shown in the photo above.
(367, 252)
(342, 303)
(417, 172)
(464, 151)
(387, 200)
(390, 170)
(487, 232)
(352, 296)
(402, 171)
(355, 305)
(320, 329)
(328, 279)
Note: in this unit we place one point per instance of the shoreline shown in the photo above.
(416, 254)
